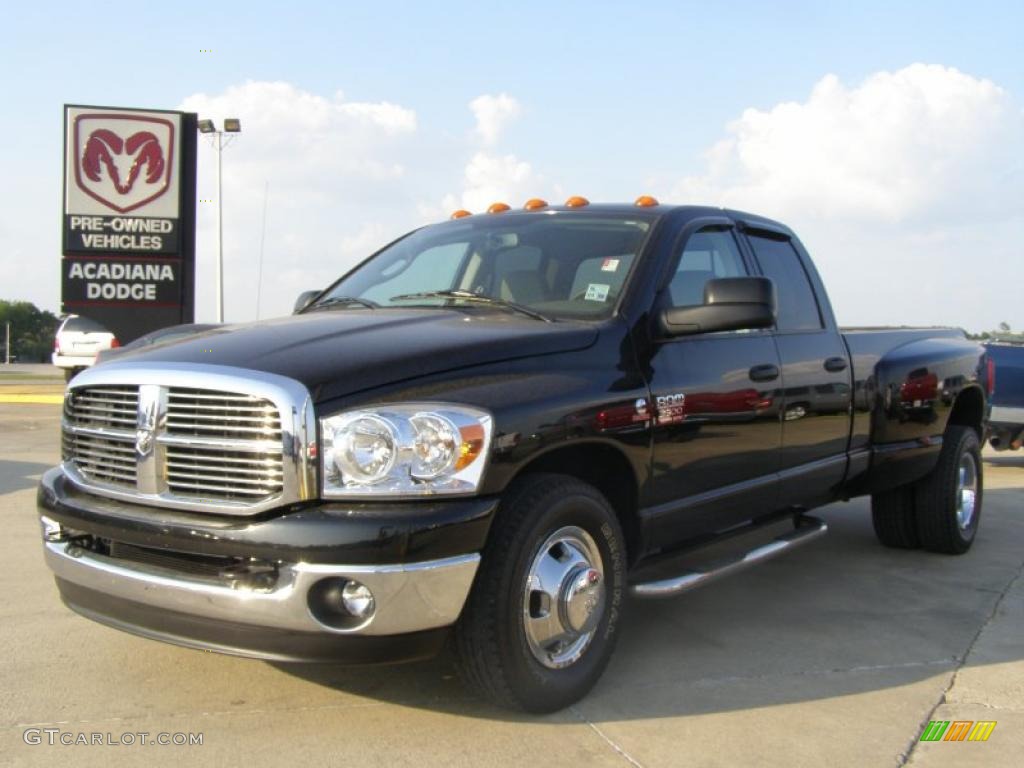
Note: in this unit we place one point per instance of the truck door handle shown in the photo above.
(764, 372)
(835, 364)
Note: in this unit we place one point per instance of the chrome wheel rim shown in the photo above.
(564, 597)
(966, 491)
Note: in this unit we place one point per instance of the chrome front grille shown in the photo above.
(228, 416)
(107, 460)
(230, 475)
(233, 451)
(99, 433)
(103, 407)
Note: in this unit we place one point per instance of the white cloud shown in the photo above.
(334, 172)
(891, 148)
(492, 114)
(907, 189)
(489, 178)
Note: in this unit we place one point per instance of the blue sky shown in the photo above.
(610, 100)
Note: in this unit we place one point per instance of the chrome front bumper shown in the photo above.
(409, 597)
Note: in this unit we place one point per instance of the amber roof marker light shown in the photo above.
(461, 213)
(576, 202)
(535, 204)
(498, 207)
(646, 201)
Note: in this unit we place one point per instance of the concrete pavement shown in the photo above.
(837, 654)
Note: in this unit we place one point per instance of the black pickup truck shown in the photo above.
(493, 431)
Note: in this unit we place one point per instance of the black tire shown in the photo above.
(493, 651)
(894, 517)
(937, 496)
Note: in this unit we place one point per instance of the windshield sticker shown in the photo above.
(597, 292)
(609, 265)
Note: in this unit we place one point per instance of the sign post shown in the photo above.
(129, 218)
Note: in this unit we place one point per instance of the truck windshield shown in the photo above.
(558, 264)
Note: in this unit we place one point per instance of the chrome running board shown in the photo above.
(807, 528)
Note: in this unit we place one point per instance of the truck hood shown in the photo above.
(339, 352)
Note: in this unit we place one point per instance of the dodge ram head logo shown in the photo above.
(147, 419)
(123, 161)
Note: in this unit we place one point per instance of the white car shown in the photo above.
(78, 341)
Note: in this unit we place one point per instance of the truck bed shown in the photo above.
(905, 371)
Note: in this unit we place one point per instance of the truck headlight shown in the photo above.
(404, 450)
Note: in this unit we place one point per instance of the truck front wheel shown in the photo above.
(541, 620)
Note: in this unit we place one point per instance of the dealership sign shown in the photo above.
(129, 217)
(151, 282)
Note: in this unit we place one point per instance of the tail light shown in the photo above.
(114, 343)
(56, 345)
(990, 371)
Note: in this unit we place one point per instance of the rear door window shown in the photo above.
(797, 305)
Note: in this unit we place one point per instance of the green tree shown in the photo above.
(32, 330)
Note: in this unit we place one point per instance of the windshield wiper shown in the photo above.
(344, 300)
(473, 297)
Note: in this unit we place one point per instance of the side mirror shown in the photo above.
(730, 304)
(304, 300)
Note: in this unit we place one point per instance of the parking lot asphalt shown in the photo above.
(837, 654)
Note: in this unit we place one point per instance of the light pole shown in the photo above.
(232, 125)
